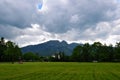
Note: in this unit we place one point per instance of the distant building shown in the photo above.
(57, 56)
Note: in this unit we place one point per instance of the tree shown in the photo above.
(111, 50)
(77, 53)
(2, 48)
(96, 50)
(86, 52)
(59, 56)
(29, 56)
(13, 52)
(18, 53)
(62, 57)
(117, 51)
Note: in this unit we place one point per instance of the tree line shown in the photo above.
(9, 51)
(96, 52)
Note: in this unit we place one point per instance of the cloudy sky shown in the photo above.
(29, 22)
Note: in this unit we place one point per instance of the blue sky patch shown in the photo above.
(40, 6)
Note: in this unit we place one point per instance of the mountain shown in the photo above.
(51, 47)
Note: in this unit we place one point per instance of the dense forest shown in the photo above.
(96, 52)
(9, 51)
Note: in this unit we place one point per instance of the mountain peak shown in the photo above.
(64, 42)
(50, 47)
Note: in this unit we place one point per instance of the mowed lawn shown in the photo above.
(59, 71)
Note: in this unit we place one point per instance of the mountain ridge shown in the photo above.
(50, 47)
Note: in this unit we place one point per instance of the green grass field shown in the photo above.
(60, 71)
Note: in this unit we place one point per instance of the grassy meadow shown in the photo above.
(59, 71)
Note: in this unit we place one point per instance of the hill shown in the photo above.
(51, 47)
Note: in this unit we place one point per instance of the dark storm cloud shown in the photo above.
(9, 32)
(67, 19)
(89, 13)
(20, 13)
(16, 13)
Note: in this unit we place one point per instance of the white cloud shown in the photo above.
(79, 20)
(33, 35)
